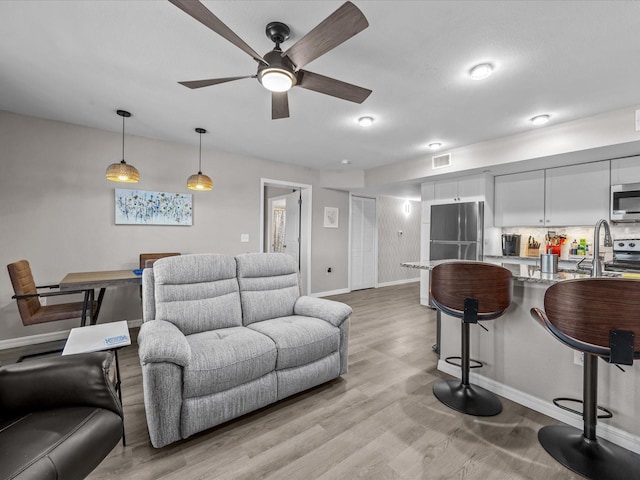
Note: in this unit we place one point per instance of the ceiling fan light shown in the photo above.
(122, 172)
(276, 80)
(199, 181)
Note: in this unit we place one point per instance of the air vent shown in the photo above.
(441, 161)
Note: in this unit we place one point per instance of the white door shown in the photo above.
(292, 226)
(363, 243)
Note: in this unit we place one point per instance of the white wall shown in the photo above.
(393, 247)
(57, 209)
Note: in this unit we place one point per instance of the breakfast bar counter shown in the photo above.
(524, 363)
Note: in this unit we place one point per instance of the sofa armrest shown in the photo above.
(70, 380)
(161, 341)
(331, 311)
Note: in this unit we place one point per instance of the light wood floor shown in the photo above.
(379, 421)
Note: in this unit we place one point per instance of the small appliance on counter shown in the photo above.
(510, 245)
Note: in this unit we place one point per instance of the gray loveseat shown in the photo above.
(224, 336)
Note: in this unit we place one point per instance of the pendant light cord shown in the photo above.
(200, 156)
(123, 138)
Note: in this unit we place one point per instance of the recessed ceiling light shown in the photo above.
(482, 71)
(365, 121)
(539, 119)
(435, 146)
(345, 162)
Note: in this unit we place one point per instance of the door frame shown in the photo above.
(305, 224)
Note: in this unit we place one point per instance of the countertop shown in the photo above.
(524, 269)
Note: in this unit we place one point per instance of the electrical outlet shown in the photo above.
(244, 237)
(578, 357)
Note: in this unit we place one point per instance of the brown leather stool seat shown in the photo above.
(472, 292)
(600, 317)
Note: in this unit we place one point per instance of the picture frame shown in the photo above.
(145, 207)
(331, 217)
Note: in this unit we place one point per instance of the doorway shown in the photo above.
(363, 250)
(285, 223)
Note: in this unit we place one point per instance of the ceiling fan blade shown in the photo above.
(338, 27)
(211, 81)
(279, 105)
(331, 86)
(204, 16)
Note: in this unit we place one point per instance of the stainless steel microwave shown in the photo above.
(625, 203)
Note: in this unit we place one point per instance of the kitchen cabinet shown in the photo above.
(625, 170)
(519, 199)
(564, 196)
(577, 194)
(460, 189)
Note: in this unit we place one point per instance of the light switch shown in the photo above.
(244, 237)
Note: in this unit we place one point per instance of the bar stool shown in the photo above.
(472, 292)
(600, 317)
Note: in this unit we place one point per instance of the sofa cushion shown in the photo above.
(197, 293)
(300, 340)
(227, 357)
(269, 285)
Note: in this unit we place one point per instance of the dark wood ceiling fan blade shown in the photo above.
(279, 105)
(212, 81)
(204, 16)
(331, 86)
(337, 28)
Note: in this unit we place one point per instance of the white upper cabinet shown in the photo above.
(625, 170)
(460, 189)
(564, 196)
(519, 199)
(577, 194)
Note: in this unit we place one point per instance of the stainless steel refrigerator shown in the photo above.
(457, 232)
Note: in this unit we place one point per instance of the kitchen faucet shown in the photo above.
(596, 271)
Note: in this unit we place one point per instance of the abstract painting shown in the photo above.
(142, 207)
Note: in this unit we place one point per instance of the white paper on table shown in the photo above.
(94, 338)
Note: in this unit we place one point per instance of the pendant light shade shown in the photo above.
(122, 172)
(199, 181)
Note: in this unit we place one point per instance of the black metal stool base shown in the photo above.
(469, 399)
(597, 460)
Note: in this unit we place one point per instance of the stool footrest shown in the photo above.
(556, 402)
(474, 363)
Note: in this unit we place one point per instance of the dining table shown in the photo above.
(89, 282)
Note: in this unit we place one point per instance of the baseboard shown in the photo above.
(613, 434)
(398, 282)
(329, 293)
(48, 337)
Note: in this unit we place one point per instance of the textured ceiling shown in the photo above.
(80, 61)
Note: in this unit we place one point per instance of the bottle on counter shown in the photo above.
(574, 248)
(582, 247)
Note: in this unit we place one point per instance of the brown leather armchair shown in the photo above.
(28, 298)
(59, 417)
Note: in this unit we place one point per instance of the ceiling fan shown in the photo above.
(278, 71)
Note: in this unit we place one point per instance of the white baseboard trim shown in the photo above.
(48, 337)
(613, 434)
(330, 293)
(398, 282)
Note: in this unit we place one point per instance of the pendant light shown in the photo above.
(199, 181)
(122, 172)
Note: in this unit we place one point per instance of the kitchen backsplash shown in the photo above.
(618, 231)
